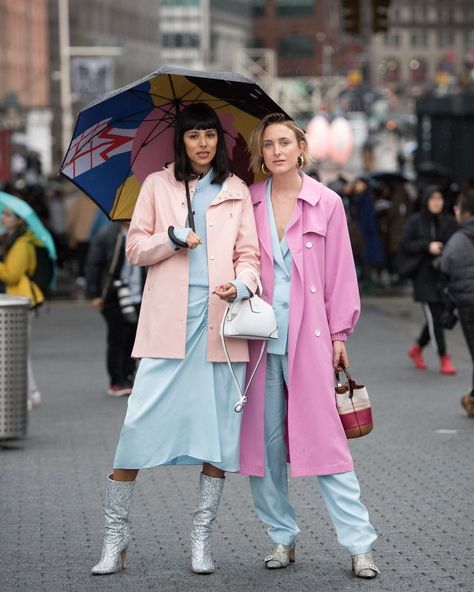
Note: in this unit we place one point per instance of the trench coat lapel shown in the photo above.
(261, 219)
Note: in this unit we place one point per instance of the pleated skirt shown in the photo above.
(181, 411)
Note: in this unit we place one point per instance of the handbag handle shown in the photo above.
(243, 394)
(350, 381)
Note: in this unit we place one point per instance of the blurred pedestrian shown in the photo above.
(80, 215)
(424, 237)
(109, 279)
(364, 215)
(16, 270)
(308, 274)
(457, 262)
(179, 412)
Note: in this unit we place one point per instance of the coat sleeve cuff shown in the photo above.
(242, 291)
(339, 336)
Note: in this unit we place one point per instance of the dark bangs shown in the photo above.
(199, 116)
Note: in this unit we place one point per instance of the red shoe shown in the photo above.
(119, 390)
(415, 355)
(446, 366)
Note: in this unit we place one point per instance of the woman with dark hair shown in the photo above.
(424, 236)
(457, 262)
(179, 412)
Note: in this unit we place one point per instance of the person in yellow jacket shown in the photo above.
(16, 269)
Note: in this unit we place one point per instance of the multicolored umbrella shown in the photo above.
(25, 212)
(128, 134)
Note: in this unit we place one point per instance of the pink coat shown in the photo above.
(232, 247)
(324, 305)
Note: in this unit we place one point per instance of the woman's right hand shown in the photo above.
(435, 248)
(193, 240)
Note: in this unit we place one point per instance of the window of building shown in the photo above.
(257, 7)
(445, 38)
(391, 39)
(294, 7)
(181, 40)
(180, 2)
(469, 38)
(293, 46)
(419, 38)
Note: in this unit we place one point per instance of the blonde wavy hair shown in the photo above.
(256, 139)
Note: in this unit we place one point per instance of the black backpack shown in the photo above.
(44, 273)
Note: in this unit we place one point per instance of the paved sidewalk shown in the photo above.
(416, 473)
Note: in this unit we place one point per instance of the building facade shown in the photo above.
(203, 34)
(429, 42)
(303, 33)
(24, 63)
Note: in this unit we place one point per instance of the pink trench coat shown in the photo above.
(324, 305)
(232, 248)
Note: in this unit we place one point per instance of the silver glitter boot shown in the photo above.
(363, 566)
(210, 491)
(280, 556)
(117, 501)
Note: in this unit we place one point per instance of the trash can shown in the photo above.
(13, 366)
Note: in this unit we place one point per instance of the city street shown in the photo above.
(415, 469)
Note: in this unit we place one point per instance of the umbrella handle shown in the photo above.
(190, 209)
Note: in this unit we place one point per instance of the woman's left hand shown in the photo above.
(340, 357)
(226, 292)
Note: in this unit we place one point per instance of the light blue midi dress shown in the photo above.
(181, 411)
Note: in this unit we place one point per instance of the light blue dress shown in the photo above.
(181, 411)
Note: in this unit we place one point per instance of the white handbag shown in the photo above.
(254, 319)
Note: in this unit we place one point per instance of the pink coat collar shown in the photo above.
(310, 191)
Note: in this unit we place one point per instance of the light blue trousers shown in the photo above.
(341, 492)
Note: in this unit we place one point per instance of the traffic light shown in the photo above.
(380, 15)
(350, 16)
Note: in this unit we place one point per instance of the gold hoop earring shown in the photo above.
(300, 161)
(265, 171)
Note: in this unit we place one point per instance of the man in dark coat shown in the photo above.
(458, 264)
(424, 236)
(115, 288)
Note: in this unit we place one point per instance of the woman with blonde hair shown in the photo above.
(308, 275)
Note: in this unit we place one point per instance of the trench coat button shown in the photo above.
(211, 223)
(309, 244)
(211, 326)
(312, 290)
(211, 257)
(317, 332)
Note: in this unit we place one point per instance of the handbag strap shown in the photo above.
(350, 381)
(243, 394)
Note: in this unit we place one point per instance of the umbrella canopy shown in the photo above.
(128, 134)
(26, 213)
(388, 177)
(433, 170)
